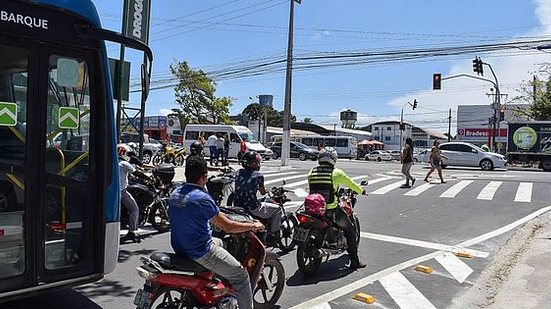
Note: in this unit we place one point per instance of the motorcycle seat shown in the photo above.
(177, 262)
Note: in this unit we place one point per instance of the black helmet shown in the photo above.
(196, 149)
(251, 160)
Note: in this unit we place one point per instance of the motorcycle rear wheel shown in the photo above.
(358, 231)
(159, 217)
(157, 159)
(273, 272)
(307, 263)
(286, 242)
(170, 298)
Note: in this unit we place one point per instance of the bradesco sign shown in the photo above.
(480, 133)
(137, 19)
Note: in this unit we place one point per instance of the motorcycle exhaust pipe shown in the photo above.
(321, 253)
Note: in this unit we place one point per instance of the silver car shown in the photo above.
(466, 154)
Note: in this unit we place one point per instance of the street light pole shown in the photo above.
(285, 147)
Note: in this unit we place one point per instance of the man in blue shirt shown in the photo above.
(191, 212)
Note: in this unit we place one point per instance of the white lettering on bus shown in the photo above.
(29, 21)
(138, 18)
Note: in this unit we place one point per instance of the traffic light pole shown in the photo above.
(497, 105)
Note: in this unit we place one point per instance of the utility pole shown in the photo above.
(449, 124)
(285, 146)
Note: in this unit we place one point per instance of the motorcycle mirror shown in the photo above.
(300, 193)
(284, 182)
(364, 182)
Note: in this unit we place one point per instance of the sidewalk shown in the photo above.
(520, 273)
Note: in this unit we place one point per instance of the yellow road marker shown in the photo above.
(464, 255)
(366, 298)
(423, 268)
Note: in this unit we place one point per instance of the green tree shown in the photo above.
(537, 93)
(307, 120)
(195, 96)
(275, 117)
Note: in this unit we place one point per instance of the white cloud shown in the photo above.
(165, 111)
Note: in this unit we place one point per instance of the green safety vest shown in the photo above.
(320, 181)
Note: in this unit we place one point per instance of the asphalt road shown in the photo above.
(473, 212)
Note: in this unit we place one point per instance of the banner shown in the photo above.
(136, 23)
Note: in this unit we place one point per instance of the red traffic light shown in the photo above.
(436, 81)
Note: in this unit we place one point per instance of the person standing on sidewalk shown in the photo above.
(407, 162)
(220, 149)
(211, 142)
(435, 160)
(226, 149)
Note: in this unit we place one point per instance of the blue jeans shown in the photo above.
(212, 150)
(221, 262)
(220, 156)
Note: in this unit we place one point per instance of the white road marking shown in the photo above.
(524, 192)
(339, 292)
(457, 268)
(388, 188)
(272, 181)
(422, 244)
(489, 191)
(322, 306)
(278, 173)
(292, 204)
(418, 190)
(455, 189)
(380, 179)
(303, 182)
(404, 293)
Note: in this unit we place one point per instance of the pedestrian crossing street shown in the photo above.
(484, 190)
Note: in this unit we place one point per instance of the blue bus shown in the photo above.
(59, 182)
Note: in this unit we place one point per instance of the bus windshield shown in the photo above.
(247, 137)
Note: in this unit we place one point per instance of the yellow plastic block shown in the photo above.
(366, 298)
(464, 255)
(423, 268)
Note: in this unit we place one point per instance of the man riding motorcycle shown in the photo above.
(247, 182)
(192, 211)
(326, 179)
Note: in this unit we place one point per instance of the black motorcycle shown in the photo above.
(318, 238)
(221, 188)
(151, 199)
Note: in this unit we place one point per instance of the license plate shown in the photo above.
(300, 233)
(142, 299)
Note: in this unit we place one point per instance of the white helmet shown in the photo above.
(329, 155)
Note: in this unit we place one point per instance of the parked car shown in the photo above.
(378, 155)
(422, 156)
(466, 154)
(396, 154)
(150, 146)
(298, 150)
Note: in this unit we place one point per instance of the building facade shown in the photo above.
(388, 132)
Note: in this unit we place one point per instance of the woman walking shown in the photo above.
(435, 160)
(407, 162)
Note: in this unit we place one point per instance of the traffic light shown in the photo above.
(501, 114)
(477, 66)
(402, 126)
(414, 104)
(436, 81)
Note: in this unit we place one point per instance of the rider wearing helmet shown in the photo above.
(326, 179)
(196, 150)
(247, 182)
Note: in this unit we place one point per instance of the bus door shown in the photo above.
(50, 212)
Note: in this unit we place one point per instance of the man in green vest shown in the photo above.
(325, 179)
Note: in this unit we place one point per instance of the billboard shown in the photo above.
(136, 23)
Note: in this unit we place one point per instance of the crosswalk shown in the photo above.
(380, 184)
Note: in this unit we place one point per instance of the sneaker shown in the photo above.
(405, 186)
(413, 182)
(130, 236)
(357, 264)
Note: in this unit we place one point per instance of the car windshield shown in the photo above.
(247, 137)
(477, 148)
(301, 146)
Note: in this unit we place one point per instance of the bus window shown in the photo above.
(192, 135)
(330, 142)
(247, 136)
(342, 142)
(13, 93)
(308, 141)
(318, 141)
(234, 138)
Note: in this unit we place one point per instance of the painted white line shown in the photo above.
(422, 244)
(388, 188)
(292, 204)
(524, 192)
(404, 293)
(324, 298)
(380, 179)
(322, 306)
(455, 189)
(489, 191)
(457, 268)
(279, 173)
(418, 190)
(272, 181)
(297, 184)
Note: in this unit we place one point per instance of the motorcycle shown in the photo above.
(318, 238)
(153, 206)
(220, 186)
(170, 154)
(173, 281)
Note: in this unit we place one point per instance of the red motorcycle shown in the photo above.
(173, 281)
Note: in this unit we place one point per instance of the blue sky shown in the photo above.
(234, 32)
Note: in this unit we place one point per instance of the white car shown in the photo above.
(378, 155)
(422, 156)
(466, 154)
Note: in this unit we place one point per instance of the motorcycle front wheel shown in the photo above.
(170, 298)
(306, 260)
(358, 231)
(159, 217)
(286, 242)
(157, 159)
(271, 283)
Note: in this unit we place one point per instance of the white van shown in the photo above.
(235, 133)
